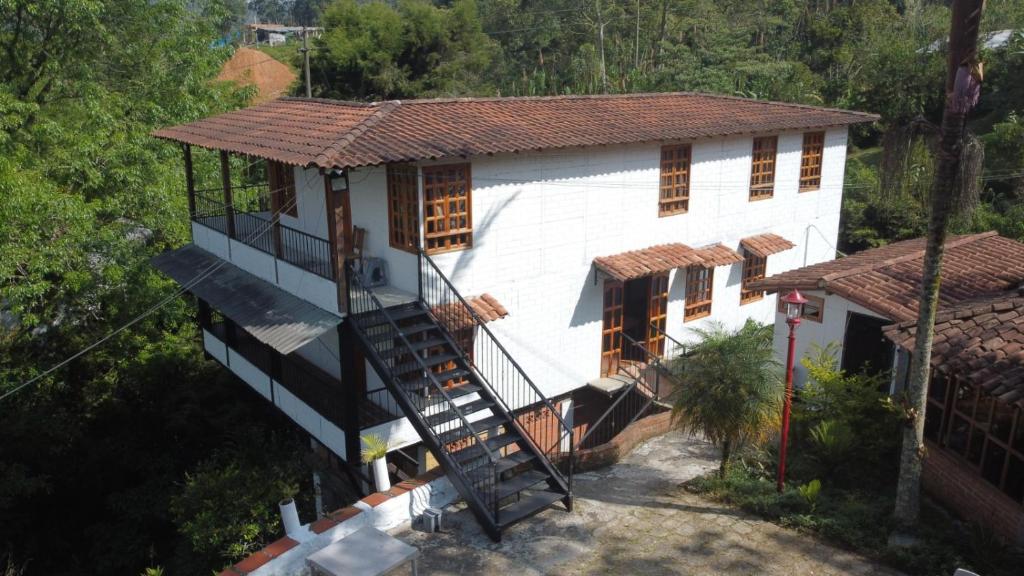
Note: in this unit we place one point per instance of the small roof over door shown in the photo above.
(273, 316)
(764, 245)
(647, 262)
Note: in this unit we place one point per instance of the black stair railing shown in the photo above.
(538, 420)
(381, 334)
(633, 401)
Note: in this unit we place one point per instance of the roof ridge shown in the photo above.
(632, 95)
(326, 159)
(957, 242)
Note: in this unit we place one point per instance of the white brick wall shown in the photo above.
(541, 218)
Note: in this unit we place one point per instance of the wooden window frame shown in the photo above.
(817, 301)
(657, 313)
(611, 326)
(811, 155)
(762, 167)
(700, 283)
(674, 189)
(281, 183)
(438, 210)
(403, 207)
(948, 408)
(754, 268)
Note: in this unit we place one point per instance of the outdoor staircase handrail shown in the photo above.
(679, 345)
(565, 429)
(636, 380)
(357, 280)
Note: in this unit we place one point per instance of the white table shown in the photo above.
(365, 552)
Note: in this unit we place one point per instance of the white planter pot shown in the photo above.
(380, 475)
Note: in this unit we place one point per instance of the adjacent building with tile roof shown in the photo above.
(584, 223)
(974, 426)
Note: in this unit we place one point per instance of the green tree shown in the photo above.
(374, 50)
(729, 387)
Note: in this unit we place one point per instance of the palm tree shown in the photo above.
(963, 84)
(729, 387)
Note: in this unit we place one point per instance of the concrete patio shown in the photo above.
(633, 518)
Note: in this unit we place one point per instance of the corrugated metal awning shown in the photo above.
(273, 316)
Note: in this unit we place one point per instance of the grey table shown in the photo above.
(365, 552)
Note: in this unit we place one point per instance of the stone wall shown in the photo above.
(623, 443)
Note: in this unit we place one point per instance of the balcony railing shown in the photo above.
(253, 226)
(316, 388)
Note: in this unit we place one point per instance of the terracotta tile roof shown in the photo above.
(981, 342)
(662, 258)
(718, 255)
(887, 280)
(486, 307)
(336, 134)
(764, 245)
(647, 262)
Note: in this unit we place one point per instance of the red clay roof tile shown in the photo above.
(336, 134)
(994, 362)
(887, 279)
(765, 245)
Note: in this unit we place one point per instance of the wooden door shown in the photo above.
(657, 313)
(611, 330)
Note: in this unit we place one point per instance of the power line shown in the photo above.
(184, 288)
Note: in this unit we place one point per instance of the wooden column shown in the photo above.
(274, 184)
(339, 230)
(225, 177)
(190, 183)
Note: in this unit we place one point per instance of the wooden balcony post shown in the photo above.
(274, 184)
(225, 177)
(190, 183)
(339, 230)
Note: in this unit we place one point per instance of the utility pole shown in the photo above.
(305, 60)
(636, 59)
(962, 88)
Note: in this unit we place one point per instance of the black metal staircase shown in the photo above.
(499, 440)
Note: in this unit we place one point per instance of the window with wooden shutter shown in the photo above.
(447, 208)
(698, 292)
(810, 161)
(403, 207)
(762, 167)
(281, 180)
(675, 180)
(753, 269)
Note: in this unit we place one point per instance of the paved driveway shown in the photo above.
(632, 518)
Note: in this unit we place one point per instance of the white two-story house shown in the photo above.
(453, 273)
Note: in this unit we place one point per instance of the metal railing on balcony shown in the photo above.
(253, 226)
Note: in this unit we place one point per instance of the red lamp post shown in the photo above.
(794, 310)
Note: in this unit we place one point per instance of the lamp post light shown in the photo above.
(794, 310)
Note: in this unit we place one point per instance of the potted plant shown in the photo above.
(374, 451)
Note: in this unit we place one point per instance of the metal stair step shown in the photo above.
(395, 314)
(416, 346)
(528, 506)
(494, 444)
(502, 465)
(516, 484)
(406, 330)
(463, 432)
(422, 382)
(409, 367)
(467, 409)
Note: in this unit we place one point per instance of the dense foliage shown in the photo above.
(728, 387)
(841, 475)
(92, 456)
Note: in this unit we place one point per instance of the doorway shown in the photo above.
(637, 309)
(864, 346)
